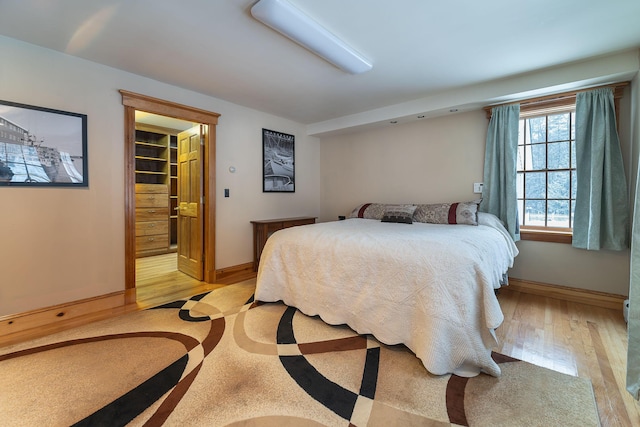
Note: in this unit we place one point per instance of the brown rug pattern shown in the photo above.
(220, 359)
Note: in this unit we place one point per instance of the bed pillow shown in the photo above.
(448, 213)
(369, 211)
(399, 213)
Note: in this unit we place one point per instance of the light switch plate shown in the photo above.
(477, 187)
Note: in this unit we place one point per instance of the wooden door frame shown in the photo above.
(132, 102)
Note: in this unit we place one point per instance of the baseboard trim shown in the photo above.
(31, 324)
(235, 274)
(582, 296)
(58, 317)
(14, 328)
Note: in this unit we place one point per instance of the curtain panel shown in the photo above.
(633, 318)
(499, 196)
(601, 219)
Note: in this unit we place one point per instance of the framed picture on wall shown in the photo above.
(278, 173)
(42, 147)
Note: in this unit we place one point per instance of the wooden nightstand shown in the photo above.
(264, 228)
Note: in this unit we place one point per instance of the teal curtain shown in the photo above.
(499, 195)
(633, 327)
(601, 219)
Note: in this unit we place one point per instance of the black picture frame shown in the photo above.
(278, 162)
(42, 147)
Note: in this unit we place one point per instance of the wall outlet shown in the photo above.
(625, 310)
(477, 187)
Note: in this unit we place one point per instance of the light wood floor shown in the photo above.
(576, 339)
(158, 281)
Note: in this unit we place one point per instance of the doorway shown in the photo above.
(204, 204)
(168, 215)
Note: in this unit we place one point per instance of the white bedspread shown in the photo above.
(428, 286)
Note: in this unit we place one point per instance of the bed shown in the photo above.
(428, 286)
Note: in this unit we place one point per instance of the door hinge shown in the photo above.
(202, 142)
(202, 200)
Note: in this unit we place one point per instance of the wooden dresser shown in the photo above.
(264, 228)
(152, 219)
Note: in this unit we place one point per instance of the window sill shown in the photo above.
(546, 236)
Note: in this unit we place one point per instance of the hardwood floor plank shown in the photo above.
(615, 404)
(576, 339)
(560, 344)
(158, 281)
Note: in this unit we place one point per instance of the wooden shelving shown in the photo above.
(156, 155)
(173, 192)
(152, 150)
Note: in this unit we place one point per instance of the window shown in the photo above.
(546, 175)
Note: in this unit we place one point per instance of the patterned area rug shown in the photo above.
(219, 359)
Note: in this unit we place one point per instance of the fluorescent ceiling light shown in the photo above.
(290, 21)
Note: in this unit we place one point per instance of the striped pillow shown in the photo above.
(369, 211)
(448, 213)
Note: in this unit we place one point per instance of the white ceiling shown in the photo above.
(418, 47)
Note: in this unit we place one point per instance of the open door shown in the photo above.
(190, 201)
(133, 102)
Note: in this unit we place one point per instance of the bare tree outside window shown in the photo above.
(546, 175)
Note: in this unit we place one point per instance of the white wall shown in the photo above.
(240, 145)
(437, 160)
(561, 264)
(429, 161)
(60, 245)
